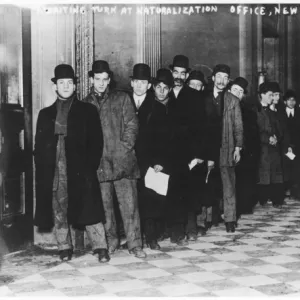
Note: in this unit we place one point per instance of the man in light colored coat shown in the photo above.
(118, 169)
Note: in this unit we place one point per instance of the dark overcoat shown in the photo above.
(186, 118)
(150, 151)
(270, 162)
(84, 146)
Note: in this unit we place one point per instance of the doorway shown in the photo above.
(16, 167)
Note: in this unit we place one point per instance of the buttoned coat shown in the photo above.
(120, 130)
(270, 161)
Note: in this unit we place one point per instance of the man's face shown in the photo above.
(161, 91)
(220, 80)
(140, 87)
(276, 97)
(100, 82)
(237, 91)
(267, 98)
(65, 87)
(180, 75)
(196, 84)
(290, 102)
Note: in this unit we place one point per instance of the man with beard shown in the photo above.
(224, 134)
(246, 170)
(186, 142)
(118, 169)
(68, 149)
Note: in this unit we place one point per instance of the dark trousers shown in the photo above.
(273, 191)
(245, 189)
(191, 226)
(153, 229)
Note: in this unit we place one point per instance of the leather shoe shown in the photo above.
(67, 253)
(180, 242)
(103, 255)
(153, 245)
(138, 252)
(192, 237)
(202, 230)
(230, 226)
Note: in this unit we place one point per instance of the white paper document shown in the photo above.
(157, 182)
(290, 155)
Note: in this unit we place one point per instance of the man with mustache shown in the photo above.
(187, 121)
(224, 133)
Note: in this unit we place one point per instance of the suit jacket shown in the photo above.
(225, 132)
(83, 145)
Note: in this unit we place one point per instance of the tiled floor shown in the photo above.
(262, 258)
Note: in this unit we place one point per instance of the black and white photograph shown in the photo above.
(149, 149)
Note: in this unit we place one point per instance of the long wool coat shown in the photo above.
(120, 131)
(270, 162)
(84, 145)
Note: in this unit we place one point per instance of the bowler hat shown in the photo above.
(242, 82)
(290, 94)
(197, 75)
(275, 87)
(221, 68)
(165, 76)
(141, 72)
(100, 66)
(64, 71)
(180, 61)
(265, 87)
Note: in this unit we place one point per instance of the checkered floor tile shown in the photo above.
(262, 258)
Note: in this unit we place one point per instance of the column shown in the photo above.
(84, 48)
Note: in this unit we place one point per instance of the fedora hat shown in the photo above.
(242, 82)
(221, 68)
(165, 76)
(100, 66)
(63, 71)
(197, 75)
(180, 61)
(141, 72)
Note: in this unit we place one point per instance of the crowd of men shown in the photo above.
(223, 155)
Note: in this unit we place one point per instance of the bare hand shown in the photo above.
(157, 168)
(237, 155)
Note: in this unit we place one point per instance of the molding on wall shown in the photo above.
(153, 42)
(84, 50)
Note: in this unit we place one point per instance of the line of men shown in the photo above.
(89, 152)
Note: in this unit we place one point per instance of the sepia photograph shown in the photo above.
(149, 149)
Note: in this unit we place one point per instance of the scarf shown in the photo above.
(63, 107)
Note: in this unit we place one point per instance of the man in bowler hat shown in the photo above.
(68, 149)
(196, 81)
(150, 113)
(187, 119)
(224, 141)
(246, 170)
(118, 168)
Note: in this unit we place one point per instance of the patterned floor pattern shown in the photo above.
(262, 258)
